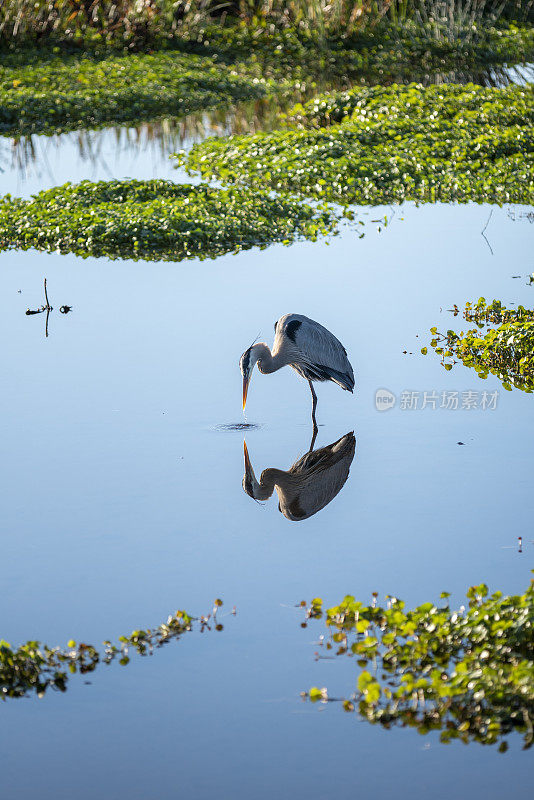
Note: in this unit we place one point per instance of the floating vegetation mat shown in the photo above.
(506, 350)
(390, 144)
(466, 673)
(34, 667)
(54, 94)
(154, 220)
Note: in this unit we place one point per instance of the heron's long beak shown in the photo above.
(248, 465)
(246, 382)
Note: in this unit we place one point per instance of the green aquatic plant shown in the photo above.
(414, 109)
(467, 673)
(35, 667)
(506, 351)
(56, 92)
(155, 220)
(398, 143)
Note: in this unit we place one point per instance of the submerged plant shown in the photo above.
(35, 667)
(155, 220)
(506, 351)
(390, 144)
(467, 673)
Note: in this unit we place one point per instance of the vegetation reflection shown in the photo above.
(467, 673)
(506, 351)
(34, 667)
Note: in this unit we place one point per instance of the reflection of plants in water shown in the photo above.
(161, 136)
(506, 351)
(467, 673)
(34, 667)
(155, 220)
(399, 143)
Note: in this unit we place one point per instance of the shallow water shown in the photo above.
(122, 470)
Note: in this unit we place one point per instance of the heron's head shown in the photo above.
(258, 490)
(250, 484)
(247, 363)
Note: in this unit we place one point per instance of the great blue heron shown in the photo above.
(310, 349)
(310, 484)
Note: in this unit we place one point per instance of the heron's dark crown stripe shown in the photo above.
(245, 359)
(292, 328)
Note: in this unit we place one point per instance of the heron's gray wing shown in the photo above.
(310, 489)
(321, 352)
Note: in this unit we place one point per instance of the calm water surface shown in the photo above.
(122, 498)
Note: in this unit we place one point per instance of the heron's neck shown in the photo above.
(270, 478)
(267, 362)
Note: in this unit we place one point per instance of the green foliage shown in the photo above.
(58, 93)
(35, 667)
(467, 673)
(506, 351)
(399, 143)
(415, 110)
(154, 220)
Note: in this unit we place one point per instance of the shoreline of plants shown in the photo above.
(56, 84)
(137, 24)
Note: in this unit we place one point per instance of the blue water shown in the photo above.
(122, 498)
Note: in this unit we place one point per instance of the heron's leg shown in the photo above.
(314, 437)
(314, 406)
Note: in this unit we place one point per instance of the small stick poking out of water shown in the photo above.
(48, 308)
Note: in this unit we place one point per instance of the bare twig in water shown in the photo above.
(48, 308)
(483, 231)
(46, 297)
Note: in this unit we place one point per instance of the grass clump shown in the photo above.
(153, 21)
(506, 351)
(392, 144)
(154, 220)
(466, 673)
(60, 92)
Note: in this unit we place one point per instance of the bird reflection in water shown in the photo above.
(310, 484)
